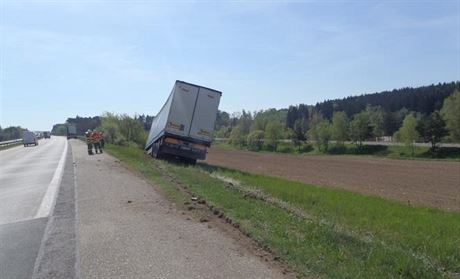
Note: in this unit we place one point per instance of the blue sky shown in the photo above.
(63, 58)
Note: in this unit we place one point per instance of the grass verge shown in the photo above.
(326, 232)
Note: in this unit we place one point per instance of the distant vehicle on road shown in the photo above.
(71, 132)
(29, 138)
(47, 135)
(185, 124)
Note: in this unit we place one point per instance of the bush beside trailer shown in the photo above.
(185, 124)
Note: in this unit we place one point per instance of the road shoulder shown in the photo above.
(128, 230)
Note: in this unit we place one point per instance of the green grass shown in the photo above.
(424, 231)
(346, 235)
(392, 151)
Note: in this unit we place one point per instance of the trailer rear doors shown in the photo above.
(182, 107)
(205, 114)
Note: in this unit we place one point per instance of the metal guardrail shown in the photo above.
(9, 142)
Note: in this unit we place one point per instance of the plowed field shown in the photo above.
(430, 183)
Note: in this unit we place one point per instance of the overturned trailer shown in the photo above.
(185, 124)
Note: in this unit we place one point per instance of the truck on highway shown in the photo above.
(71, 131)
(47, 134)
(184, 126)
(29, 138)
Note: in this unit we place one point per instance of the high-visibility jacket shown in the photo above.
(97, 136)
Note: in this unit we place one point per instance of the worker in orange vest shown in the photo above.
(95, 136)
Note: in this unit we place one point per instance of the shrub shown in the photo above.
(305, 148)
(338, 149)
(285, 148)
(236, 137)
(120, 140)
(122, 129)
(255, 140)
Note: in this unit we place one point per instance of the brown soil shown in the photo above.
(430, 183)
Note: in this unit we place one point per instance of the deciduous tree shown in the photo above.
(273, 133)
(451, 113)
(359, 128)
(321, 134)
(432, 128)
(340, 127)
(408, 132)
(376, 120)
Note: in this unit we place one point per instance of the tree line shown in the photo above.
(84, 124)
(120, 129)
(11, 133)
(424, 100)
(383, 120)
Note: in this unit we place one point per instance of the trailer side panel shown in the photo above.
(159, 122)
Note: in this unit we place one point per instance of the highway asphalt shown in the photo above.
(29, 181)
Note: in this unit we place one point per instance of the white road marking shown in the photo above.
(50, 195)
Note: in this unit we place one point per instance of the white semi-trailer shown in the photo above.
(185, 124)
